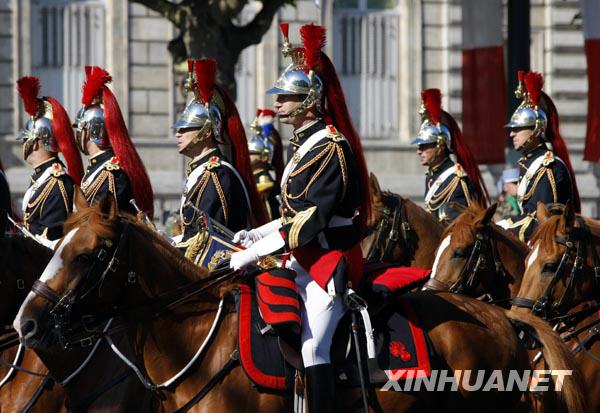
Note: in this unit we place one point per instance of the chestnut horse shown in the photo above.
(478, 258)
(111, 266)
(399, 231)
(562, 285)
(113, 388)
(21, 261)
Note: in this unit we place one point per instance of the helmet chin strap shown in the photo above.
(528, 144)
(27, 149)
(201, 136)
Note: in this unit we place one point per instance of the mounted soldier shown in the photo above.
(450, 186)
(545, 171)
(115, 167)
(262, 150)
(49, 199)
(219, 180)
(266, 121)
(325, 204)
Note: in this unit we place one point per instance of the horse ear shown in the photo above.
(542, 212)
(569, 215)
(488, 214)
(108, 205)
(79, 199)
(375, 188)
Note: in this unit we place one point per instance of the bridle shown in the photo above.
(392, 229)
(110, 258)
(485, 245)
(577, 242)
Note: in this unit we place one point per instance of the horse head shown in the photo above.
(399, 231)
(563, 268)
(477, 257)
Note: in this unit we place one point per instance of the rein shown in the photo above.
(392, 228)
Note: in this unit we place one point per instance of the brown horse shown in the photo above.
(399, 231)
(476, 257)
(562, 284)
(170, 305)
(22, 260)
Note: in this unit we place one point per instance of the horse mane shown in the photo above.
(464, 228)
(104, 227)
(414, 210)
(29, 246)
(545, 232)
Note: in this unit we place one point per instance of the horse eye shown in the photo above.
(83, 258)
(550, 267)
(459, 254)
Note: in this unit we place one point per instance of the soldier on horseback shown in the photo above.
(545, 172)
(262, 150)
(49, 199)
(325, 203)
(114, 166)
(210, 132)
(450, 186)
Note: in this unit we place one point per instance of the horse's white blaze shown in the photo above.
(533, 256)
(443, 245)
(53, 267)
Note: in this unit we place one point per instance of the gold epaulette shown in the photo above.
(213, 163)
(548, 158)
(459, 171)
(57, 170)
(264, 184)
(113, 164)
(333, 134)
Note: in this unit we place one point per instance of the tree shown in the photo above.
(208, 29)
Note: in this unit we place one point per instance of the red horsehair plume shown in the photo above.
(206, 72)
(432, 99)
(190, 63)
(521, 75)
(285, 30)
(88, 71)
(94, 84)
(29, 88)
(313, 39)
(534, 82)
(258, 112)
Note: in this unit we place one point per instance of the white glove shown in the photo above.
(250, 255)
(243, 258)
(247, 238)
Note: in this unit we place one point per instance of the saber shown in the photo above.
(22, 228)
(145, 216)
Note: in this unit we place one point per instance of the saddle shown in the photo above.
(269, 325)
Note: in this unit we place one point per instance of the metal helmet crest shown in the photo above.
(432, 129)
(39, 124)
(529, 114)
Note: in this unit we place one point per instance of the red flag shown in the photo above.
(591, 30)
(484, 83)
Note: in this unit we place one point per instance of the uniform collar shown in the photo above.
(40, 168)
(533, 154)
(439, 168)
(194, 164)
(99, 158)
(306, 131)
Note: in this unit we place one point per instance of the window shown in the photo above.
(362, 5)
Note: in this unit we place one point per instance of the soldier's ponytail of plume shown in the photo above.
(65, 138)
(29, 89)
(432, 99)
(96, 88)
(206, 71)
(534, 83)
(336, 110)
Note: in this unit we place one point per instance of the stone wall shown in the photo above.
(7, 78)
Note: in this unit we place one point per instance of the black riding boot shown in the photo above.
(320, 382)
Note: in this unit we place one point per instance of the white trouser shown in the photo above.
(321, 313)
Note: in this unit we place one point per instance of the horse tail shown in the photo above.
(558, 357)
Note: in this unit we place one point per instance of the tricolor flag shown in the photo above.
(591, 30)
(484, 82)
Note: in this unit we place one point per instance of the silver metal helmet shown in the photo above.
(91, 119)
(432, 133)
(199, 115)
(527, 116)
(40, 128)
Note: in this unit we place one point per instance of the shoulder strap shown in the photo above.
(438, 182)
(301, 152)
(35, 186)
(529, 175)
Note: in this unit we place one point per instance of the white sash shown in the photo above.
(94, 174)
(236, 173)
(35, 186)
(302, 150)
(438, 182)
